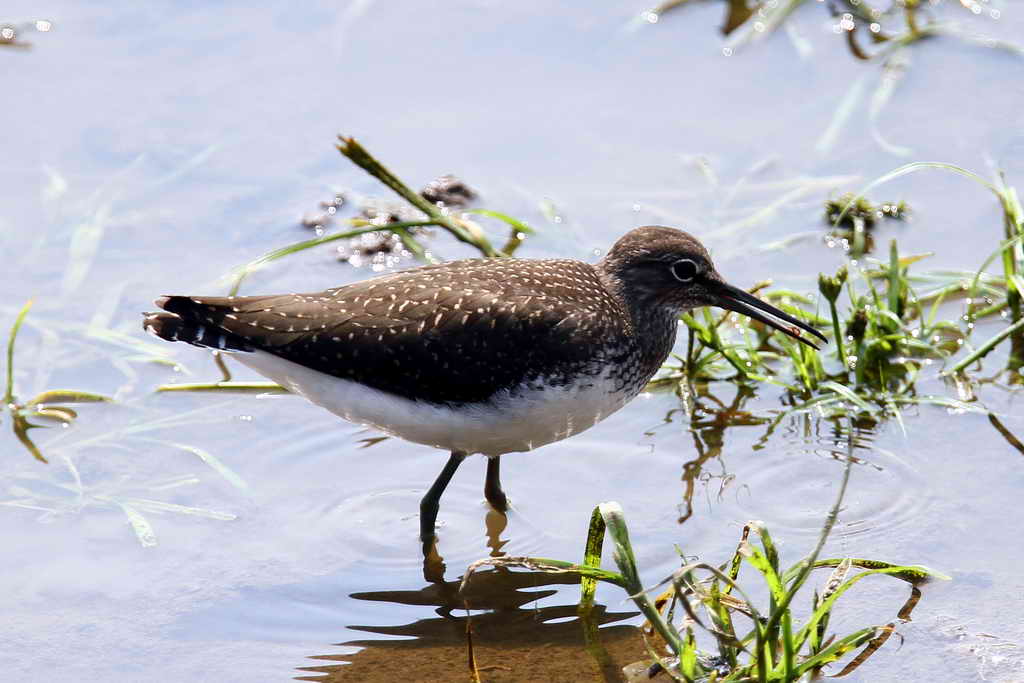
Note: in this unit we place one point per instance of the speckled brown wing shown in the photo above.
(453, 333)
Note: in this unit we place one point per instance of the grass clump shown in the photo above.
(751, 641)
(849, 209)
(853, 217)
(882, 336)
(886, 323)
(48, 405)
(1002, 295)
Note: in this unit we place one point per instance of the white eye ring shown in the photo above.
(684, 270)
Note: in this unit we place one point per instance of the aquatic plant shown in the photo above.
(882, 337)
(885, 324)
(457, 225)
(68, 489)
(881, 33)
(752, 642)
(50, 405)
(65, 489)
(854, 217)
(999, 294)
(888, 29)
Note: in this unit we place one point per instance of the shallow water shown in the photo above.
(150, 149)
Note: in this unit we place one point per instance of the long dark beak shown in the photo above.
(735, 299)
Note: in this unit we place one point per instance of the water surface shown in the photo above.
(149, 149)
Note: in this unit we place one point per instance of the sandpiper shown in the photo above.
(488, 356)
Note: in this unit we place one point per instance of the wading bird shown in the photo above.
(488, 356)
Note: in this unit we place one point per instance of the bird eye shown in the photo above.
(684, 270)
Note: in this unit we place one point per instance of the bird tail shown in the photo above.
(182, 323)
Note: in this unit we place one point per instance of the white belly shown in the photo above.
(506, 425)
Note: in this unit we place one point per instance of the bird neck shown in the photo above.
(654, 322)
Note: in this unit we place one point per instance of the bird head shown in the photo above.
(670, 268)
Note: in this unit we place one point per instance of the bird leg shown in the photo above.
(431, 502)
(492, 485)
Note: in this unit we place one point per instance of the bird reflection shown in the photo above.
(433, 564)
(511, 634)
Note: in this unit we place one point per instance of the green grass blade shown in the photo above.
(592, 558)
(68, 396)
(911, 573)
(233, 386)
(761, 562)
(788, 660)
(985, 348)
(894, 279)
(1017, 282)
(624, 557)
(241, 272)
(212, 461)
(519, 229)
(906, 169)
(504, 218)
(140, 525)
(847, 393)
(835, 651)
(9, 391)
(358, 155)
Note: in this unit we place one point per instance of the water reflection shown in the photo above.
(433, 564)
(513, 637)
(709, 417)
(1006, 433)
(787, 469)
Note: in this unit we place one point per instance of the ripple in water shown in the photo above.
(382, 526)
(792, 489)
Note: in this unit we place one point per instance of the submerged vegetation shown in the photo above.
(883, 32)
(871, 30)
(50, 405)
(71, 491)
